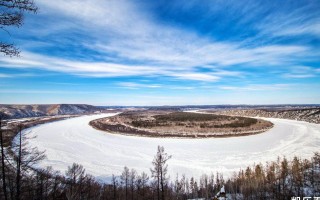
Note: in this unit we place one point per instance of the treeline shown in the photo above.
(194, 120)
(279, 179)
(282, 179)
(188, 116)
(150, 123)
(246, 122)
(243, 122)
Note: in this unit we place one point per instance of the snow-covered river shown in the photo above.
(103, 154)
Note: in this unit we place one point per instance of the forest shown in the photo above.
(192, 120)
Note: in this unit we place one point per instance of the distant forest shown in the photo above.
(180, 117)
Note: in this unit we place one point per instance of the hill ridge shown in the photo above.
(14, 111)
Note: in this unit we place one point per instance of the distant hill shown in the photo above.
(311, 115)
(22, 111)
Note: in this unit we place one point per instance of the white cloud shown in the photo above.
(181, 88)
(299, 21)
(257, 87)
(130, 36)
(5, 75)
(115, 16)
(99, 69)
(132, 85)
(16, 91)
(309, 29)
(127, 32)
(299, 75)
(302, 72)
(197, 76)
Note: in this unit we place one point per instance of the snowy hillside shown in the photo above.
(311, 115)
(23, 111)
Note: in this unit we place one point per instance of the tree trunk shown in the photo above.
(126, 189)
(162, 185)
(4, 186)
(19, 165)
(158, 187)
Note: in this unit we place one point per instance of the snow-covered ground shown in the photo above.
(103, 154)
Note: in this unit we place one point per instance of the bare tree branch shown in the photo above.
(11, 14)
(9, 49)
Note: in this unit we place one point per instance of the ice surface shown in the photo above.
(103, 154)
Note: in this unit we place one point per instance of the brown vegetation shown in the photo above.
(180, 124)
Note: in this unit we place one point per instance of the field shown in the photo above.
(180, 124)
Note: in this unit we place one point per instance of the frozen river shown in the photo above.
(103, 154)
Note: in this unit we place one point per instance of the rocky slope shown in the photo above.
(311, 115)
(22, 111)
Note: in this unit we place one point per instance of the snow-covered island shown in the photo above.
(180, 124)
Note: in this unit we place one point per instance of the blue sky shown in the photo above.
(130, 52)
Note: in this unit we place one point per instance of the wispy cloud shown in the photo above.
(132, 85)
(140, 47)
(303, 20)
(185, 66)
(26, 91)
(257, 87)
(197, 76)
(302, 72)
(16, 75)
(5, 76)
(105, 69)
(299, 75)
(174, 45)
(181, 88)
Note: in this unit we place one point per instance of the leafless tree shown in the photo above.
(142, 183)
(115, 185)
(125, 180)
(159, 171)
(132, 178)
(11, 14)
(25, 157)
(4, 185)
(75, 177)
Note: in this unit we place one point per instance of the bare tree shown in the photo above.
(204, 184)
(159, 171)
(25, 157)
(115, 185)
(12, 15)
(19, 158)
(125, 180)
(75, 177)
(142, 182)
(4, 185)
(132, 178)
